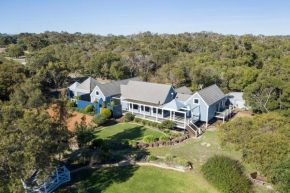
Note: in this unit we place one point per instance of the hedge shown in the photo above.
(226, 175)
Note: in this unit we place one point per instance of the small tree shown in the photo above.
(106, 112)
(84, 134)
(168, 124)
(129, 117)
(226, 175)
(99, 119)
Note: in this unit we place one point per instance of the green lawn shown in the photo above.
(126, 131)
(139, 179)
(197, 152)
(149, 179)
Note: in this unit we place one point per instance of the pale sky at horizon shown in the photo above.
(125, 17)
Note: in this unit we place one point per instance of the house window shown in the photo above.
(147, 109)
(97, 93)
(154, 110)
(195, 101)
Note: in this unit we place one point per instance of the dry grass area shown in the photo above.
(241, 113)
(76, 117)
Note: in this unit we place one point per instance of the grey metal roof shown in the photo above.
(113, 88)
(146, 92)
(183, 90)
(211, 94)
(89, 84)
(183, 97)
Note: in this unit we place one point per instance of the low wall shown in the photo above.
(83, 104)
(116, 111)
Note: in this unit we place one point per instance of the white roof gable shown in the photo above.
(174, 105)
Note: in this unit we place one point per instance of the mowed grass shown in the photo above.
(117, 133)
(142, 179)
(197, 151)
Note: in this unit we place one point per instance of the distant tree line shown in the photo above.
(257, 65)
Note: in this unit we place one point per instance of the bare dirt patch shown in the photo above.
(76, 117)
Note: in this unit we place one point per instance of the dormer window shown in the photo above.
(97, 93)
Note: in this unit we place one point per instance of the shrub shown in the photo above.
(179, 134)
(183, 162)
(133, 142)
(163, 138)
(160, 126)
(137, 120)
(173, 135)
(71, 104)
(95, 101)
(168, 157)
(226, 174)
(112, 103)
(149, 123)
(89, 108)
(144, 122)
(125, 141)
(149, 139)
(168, 124)
(97, 143)
(154, 124)
(166, 131)
(77, 97)
(152, 158)
(106, 112)
(99, 119)
(129, 117)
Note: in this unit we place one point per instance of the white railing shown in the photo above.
(61, 176)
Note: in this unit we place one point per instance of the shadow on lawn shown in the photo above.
(98, 180)
(135, 133)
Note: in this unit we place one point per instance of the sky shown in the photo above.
(124, 17)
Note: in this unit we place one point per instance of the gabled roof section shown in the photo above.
(89, 84)
(183, 97)
(146, 92)
(183, 90)
(211, 94)
(173, 105)
(74, 86)
(113, 88)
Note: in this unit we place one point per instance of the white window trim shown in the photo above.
(194, 102)
(98, 93)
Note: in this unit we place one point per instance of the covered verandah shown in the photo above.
(158, 113)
